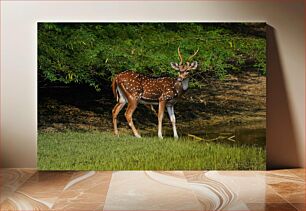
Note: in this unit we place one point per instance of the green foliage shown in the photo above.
(104, 151)
(91, 53)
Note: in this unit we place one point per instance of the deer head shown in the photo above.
(184, 68)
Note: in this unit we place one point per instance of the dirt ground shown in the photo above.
(239, 99)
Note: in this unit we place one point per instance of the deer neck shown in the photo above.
(181, 85)
(185, 84)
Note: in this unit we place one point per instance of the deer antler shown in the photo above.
(180, 55)
(195, 53)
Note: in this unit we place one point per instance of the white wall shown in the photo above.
(286, 133)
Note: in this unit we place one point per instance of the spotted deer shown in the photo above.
(133, 88)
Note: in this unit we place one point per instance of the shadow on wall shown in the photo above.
(281, 140)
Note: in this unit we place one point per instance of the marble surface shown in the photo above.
(28, 189)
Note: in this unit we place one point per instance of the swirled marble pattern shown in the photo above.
(12, 179)
(28, 189)
(146, 190)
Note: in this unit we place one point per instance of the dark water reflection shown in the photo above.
(235, 135)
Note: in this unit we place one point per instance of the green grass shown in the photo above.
(104, 151)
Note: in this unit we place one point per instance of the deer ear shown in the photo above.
(194, 65)
(175, 66)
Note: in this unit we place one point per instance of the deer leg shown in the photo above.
(170, 110)
(161, 110)
(118, 107)
(132, 105)
(128, 115)
(115, 113)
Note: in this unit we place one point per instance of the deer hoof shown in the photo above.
(175, 137)
(137, 136)
(160, 137)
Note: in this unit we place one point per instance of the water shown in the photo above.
(237, 135)
(250, 134)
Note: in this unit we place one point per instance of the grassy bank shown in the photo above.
(104, 151)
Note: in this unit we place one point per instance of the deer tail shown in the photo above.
(114, 86)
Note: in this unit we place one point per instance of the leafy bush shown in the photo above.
(92, 53)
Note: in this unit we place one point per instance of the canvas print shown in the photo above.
(151, 96)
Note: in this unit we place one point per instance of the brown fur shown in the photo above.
(114, 84)
(147, 88)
